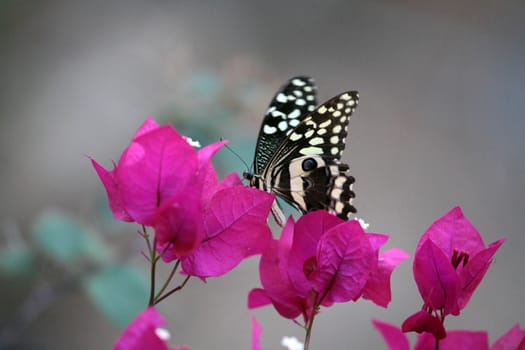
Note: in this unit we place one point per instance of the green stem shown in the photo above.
(168, 280)
(153, 262)
(309, 326)
(173, 290)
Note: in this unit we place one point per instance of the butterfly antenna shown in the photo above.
(236, 154)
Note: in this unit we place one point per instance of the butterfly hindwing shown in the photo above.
(317, 182)
(290, 104)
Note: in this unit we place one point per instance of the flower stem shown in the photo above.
(153, 261)
(309, 331)
(168, 280)
(173, 290)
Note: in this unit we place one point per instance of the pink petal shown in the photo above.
(512, 340)
(148, 125)
(206, 153)
(436, 279)
(179, 223)
(207, 172)
(377, 288)
(453, 231)
(345, 260)
(256, 334)
(472, 274)
(394, 338)
(257, 297)
(308, 231)
(455, 340)
(155, 166)
(273, 271)
(422, 321)
(140, 333)
(234, 222)
(112, 189)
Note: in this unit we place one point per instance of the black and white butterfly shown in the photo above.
(299, 149)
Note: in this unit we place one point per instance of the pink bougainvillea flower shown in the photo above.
(322, 260)
(422, 321)
(278, 287)
(207, 224)
(235, 228)
(396, 339)
(178, 222)
(377, 288)
(144, 332)
(158, 164)
(450, 262)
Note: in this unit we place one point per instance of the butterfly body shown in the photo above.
(299, 148)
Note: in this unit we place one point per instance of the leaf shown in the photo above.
(60, 236)
(16, 260)
(120, 292)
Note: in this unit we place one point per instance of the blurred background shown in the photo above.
(440, 123)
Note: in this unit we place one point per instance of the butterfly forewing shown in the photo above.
(289, 106)
(322, 132)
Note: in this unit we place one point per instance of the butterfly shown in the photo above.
(299, 148)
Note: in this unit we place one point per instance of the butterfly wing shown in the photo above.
(290, 105)
(305, 169)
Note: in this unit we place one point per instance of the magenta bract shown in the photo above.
(450, 262)
(141, 333)
(158, 164)
(321, 260)
(207, 224)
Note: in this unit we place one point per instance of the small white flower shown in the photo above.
(192, 143)
(365, 225)
(163, 334)
(291, 343)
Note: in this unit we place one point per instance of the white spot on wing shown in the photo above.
(294, 122)
(311, 150)
(300, 102)
(296, 113)
(298, 82)
(316, 141)
(281, 98)
(325, 123)
(269, 129)
(295, 136)
(283, 125)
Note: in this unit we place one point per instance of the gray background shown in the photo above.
(440, 123)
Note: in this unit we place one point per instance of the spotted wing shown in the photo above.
(289, 106)
(322, 132)
(306, 170)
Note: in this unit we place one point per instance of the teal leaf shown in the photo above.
(120, 292)
(16, 260)
(95, 249)
(60, 236)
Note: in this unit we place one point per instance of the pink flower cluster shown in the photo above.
(450, 262)
(209, 226)
(163, 182)
(321, 260)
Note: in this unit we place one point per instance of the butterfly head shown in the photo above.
(252, 178)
